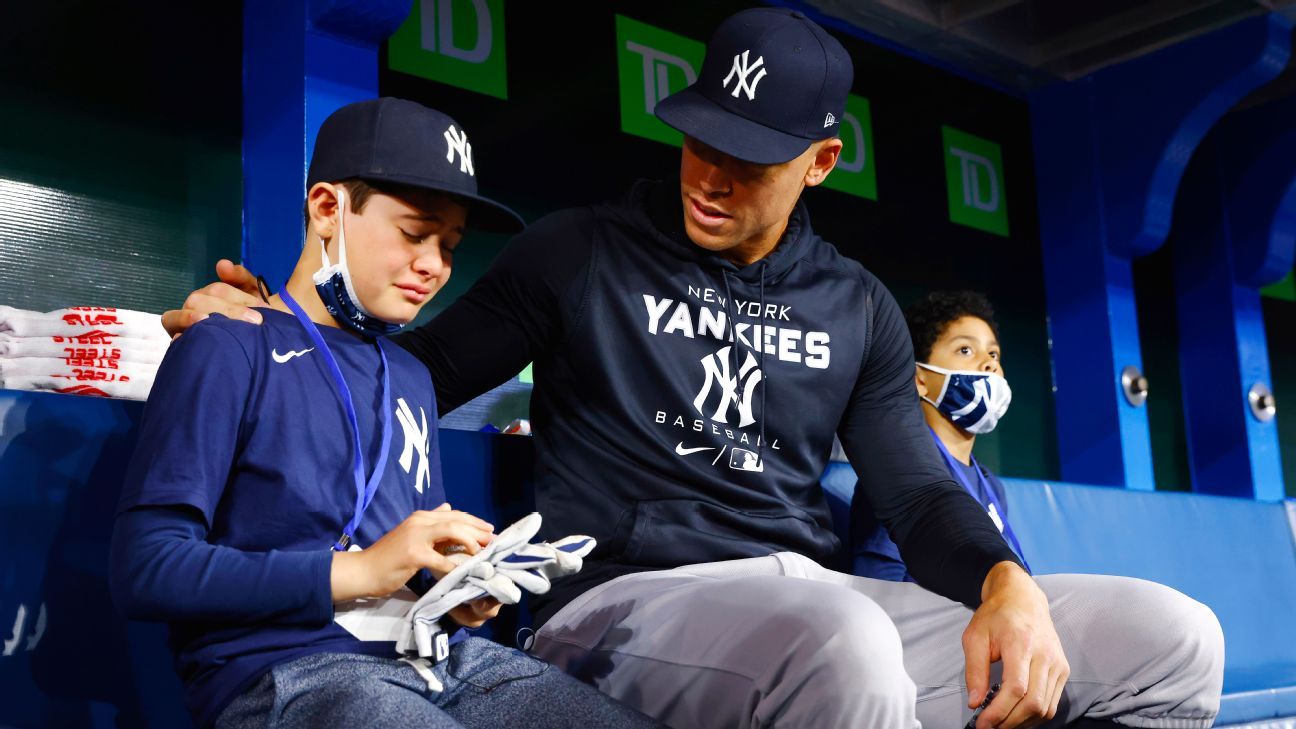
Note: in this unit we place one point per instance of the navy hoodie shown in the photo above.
(684, 406)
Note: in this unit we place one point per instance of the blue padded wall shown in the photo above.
(61, 460)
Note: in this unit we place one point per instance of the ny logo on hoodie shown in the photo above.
(734, 390)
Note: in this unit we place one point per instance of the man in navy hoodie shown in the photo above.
(696, 347)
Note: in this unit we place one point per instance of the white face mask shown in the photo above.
(333, 282)
(974, 401)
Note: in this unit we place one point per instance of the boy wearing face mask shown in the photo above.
(288, 473)
(960, 378)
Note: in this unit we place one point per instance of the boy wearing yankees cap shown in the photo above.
(288, 474)
(696, 347)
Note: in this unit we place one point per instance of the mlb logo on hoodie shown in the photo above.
(741, 459)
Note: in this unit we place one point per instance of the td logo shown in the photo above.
(974, 178)
(652, 64)
(455, 42)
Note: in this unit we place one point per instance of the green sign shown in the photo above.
(974, 177)
(455, 42)
(855, 173)
(1284, 289)
(652, 64)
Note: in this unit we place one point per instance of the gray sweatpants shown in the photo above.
(781, 641)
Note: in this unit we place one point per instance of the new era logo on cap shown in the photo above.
(772, 83)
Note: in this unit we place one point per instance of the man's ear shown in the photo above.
(322, 202)
(825, 160)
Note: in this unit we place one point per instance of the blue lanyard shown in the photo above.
(364, 491)
(984, 491)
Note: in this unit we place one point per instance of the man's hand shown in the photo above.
(416, 543)
(1013, 626)
(235, 296)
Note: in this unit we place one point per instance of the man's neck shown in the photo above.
(957, 441)
(751, 251)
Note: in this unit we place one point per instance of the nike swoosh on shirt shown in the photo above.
(680, 449)
(281, 358)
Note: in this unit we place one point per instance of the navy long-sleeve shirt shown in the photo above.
(240, 484)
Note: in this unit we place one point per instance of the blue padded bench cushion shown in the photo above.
(1235, 555)
(1259, 709)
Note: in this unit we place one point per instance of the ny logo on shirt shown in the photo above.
(416, 440)
(20, 633)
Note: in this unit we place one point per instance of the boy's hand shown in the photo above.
(235, 296)
(413, 545)
(476, 612)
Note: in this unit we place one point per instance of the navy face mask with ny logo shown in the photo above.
(974, 401)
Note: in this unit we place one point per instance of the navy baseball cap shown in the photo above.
(773, 82)
(403, 142)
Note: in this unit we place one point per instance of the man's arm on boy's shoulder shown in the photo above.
(520, 308)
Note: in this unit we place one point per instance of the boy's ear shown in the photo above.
(321, 203)
(919, 382)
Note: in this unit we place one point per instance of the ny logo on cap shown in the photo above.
(457, 141)
(743, 70)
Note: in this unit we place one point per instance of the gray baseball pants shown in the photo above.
(780, 641)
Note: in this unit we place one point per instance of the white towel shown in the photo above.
(85, 347)
(134, 389)
(79, 320)
(108, 378)
(112, 370)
